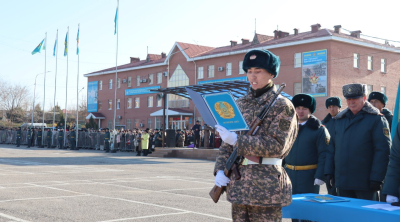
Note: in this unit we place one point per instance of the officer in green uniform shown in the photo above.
(379, 100)
(39, 138)
(157, 139)
(48, 138)
(29, 137)
(61, 138)
(305, 162)
(72, 139)
(361, 144)
(19, 133)
(391, 188)
(333, 104)
(107, 141)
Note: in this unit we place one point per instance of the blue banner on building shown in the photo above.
(139, 91)
(314, 73)
(244, 78)
(93, 91)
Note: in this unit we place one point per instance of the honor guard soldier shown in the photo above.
(29, 137)
(333, 104)
(379, 100)
(107, 141)
(72, 139)
(391, 188)
(157, 139)
(305, 162)
(61, 138)
(48, 138)
(196, 130)
(19, 133)
(264, 187)
(39, 138)
(361, 145)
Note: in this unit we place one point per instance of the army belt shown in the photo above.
(265, 161)
(305, 167)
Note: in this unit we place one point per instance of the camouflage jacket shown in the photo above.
(262, 185)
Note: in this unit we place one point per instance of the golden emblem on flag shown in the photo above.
(314, 79)
(224, 109)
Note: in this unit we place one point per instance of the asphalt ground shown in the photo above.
(39, 184)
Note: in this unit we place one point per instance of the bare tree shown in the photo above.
(14, 99)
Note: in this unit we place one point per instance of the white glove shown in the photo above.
(391, 199)
(226, 135)
(221, 179)
(319, 182)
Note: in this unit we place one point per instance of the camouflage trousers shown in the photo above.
(246, 213)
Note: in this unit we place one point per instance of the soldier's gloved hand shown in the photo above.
(391, 199)
(319, 182)
(221, 179)
(226, 135)
(330, 181)
(374, 185)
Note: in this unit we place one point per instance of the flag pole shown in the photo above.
(44, 86)
(55, 89)
(116, 71)
(77, 92)
(66, 90)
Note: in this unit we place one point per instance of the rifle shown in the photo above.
(234, 161)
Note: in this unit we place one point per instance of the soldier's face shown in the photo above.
(355, 105)
(333, 110)
(258, 78)
(303, 113)
(378, 104)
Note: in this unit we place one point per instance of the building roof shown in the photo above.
(95, 116)
(194, 50)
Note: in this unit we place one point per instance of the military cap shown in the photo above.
(354, 91)
(335, 101)
(379, 96)
(263, 59)
(305, 100)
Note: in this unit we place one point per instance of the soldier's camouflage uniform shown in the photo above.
(263, 188)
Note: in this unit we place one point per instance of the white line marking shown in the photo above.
(184, 189)
(12, 218)
(43, 198)
(150, 216)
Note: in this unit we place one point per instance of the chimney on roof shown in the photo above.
(245, 41)
(337, 28)
(163, 55)
(135, 59)
(296, 31)
(315, 28)
(233, 43)
(355, 34)
(280, 34)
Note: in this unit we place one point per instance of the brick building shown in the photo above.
(317, 61)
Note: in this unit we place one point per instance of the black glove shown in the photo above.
(397, 204)
(374, 185)
(330, 181)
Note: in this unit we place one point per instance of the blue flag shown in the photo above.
(115, 21)
(55, 45)
(38, 48)
(77, 42)
(66, 45)
(396, 111)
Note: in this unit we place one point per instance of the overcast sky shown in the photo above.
(157, 25)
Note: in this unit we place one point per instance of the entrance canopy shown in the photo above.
(172, 112)
(95, 116)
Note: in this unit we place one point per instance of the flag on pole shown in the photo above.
(396, 114)
(77, 42)
(66, 45)
(55, 45)
(38, 48)
(115, 21)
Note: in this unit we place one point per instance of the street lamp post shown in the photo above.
(34, 95)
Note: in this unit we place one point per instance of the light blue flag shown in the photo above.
(38, 48)
(55, 46)
(77, 42)
(396, 111)
(115, 21)
(66, 45)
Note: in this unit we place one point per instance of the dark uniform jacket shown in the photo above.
(310, 148)
(72, 135)
(48, 135)
(389, 117)
(19, 133)
(157, 140)
(392, 179)
(39, 135)
(107, 137)
(360, 151)
(328, 122)
(198, 127)
(29, 134)
(262, 185)
(61, 135)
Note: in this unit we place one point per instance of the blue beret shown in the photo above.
(263, 59)
(379, 96)
(305, 100)
(336, 101)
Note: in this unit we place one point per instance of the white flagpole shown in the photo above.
(77, 93)
(44, 87)
(66, 90)
(116, 73)
(55, 89)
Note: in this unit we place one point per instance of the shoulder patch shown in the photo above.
(284, 124)
(386, 132)
(289, 110)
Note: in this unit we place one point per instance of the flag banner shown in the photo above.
(396, 114)
(77, 42)
(38, 48)
(66, 45)
(44, 43)
(55, 46)
(115, 21)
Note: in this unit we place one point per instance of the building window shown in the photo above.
(129, 81)
(119, 83)
(149, 123)
(158, 123)
(159, 101)
(150, 101)
(356, 60)
(159, 78)
(178, 78)
(297, 88)
(383, 90)
(370, 63)
(117, 122)
(137, 102)
(383, 65)
(128, 124)
(129, 103)
(228, 69)
(99, 104)
(118, 103)
(136, 123)
(370, 88)
(100, 85)
(211, 71)
(137, 80)
(110, 124)
(200, 73)
(110, 104)
(297, 60)
(151, 79)
(241, 71)
(110, 84)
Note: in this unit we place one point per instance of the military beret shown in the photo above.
(379, 96)
(305, 100)
(354, 91)
(336, 101)
(263, 59)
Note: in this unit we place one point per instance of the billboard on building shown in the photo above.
(140, 91)
(93, 92)
(314, 73)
